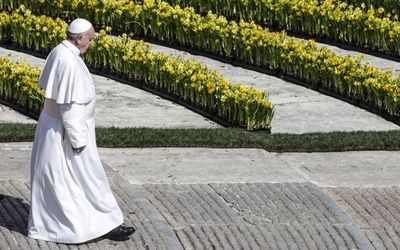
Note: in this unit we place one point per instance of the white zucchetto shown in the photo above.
(79, 26)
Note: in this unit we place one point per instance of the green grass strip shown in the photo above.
(225, 138)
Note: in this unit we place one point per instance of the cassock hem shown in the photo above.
(75, 240)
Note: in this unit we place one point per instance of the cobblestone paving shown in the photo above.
(255, 216)
(375, 211)
(230, 216)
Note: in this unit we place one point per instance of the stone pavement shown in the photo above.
(201, 198)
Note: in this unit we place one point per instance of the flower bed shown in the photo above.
(192, 82)
(250, 43)
(18, 85)
(352, 22)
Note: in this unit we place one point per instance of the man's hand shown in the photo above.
(78, 150)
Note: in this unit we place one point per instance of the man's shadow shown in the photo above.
(14, 215)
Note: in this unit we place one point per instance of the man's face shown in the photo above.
(85, 40)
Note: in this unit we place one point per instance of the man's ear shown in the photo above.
(79, 39)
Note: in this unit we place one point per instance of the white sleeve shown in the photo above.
(74, 122)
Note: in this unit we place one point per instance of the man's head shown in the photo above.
(80, 33)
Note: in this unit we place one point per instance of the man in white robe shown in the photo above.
(71, 200)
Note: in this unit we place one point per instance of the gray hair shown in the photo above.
(73, 36)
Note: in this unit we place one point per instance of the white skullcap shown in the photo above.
(79, 26)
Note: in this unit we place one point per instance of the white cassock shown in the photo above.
(71, 200)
